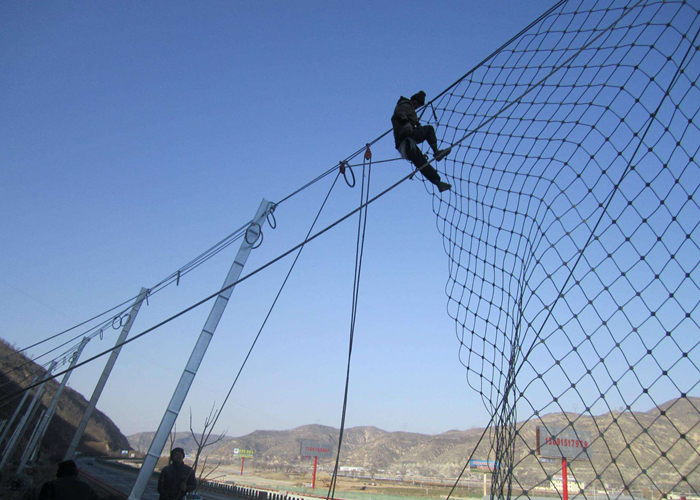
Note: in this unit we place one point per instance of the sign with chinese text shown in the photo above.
(310, 449)
(485, 465)
(241, 453)
(566, 443)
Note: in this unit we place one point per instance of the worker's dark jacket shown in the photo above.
(66, 488)
(171, 478)
(404, 120)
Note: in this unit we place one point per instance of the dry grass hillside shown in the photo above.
(102, 436)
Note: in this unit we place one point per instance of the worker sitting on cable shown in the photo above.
(408, 133)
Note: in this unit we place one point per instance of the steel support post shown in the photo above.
(19, 430)
(252, 234)
(97, 392)
(36, 427)
(44, 422)
(6, 429)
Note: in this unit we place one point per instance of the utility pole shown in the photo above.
(19, 431)
(97, 392)
(253, 233)
(48, 416)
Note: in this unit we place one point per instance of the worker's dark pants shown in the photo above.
(412, 152)
(425, 133)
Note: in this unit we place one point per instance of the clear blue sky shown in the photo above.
(136, 134)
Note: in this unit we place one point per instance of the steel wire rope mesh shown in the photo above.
(572, 237)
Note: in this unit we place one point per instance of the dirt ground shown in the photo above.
(282, 480)
(35, 477)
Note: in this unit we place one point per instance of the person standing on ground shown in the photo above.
(408, 133)
(67, 486)
(176, 479)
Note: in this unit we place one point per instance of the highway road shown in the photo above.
(123, 480)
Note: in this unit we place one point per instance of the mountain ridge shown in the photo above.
(627, 438)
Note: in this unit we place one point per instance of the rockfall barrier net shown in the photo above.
(572, 236)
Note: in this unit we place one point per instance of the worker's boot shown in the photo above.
(443, 186)
(442, 153)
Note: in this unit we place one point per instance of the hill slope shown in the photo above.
(101, 437)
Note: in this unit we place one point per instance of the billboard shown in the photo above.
(484, 465)
(310, 449)
(562, 442)
(241, 453)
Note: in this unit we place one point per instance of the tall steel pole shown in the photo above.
(48, 416)
(19, 431)
(171, 413)
(6, 429)
(38, 424)
(97, 392)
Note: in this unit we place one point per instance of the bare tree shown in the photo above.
(204, 441)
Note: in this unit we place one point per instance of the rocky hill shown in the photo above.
(627, 455)
(368, 447)
(101, 437)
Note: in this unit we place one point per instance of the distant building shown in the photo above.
(574, 486)
(352, 469)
